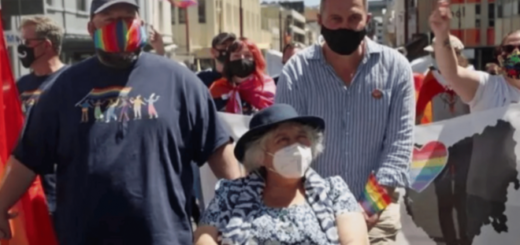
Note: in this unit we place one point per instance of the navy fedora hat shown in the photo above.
(270, 117)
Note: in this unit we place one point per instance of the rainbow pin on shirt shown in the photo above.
(375, 198)
(120, 36)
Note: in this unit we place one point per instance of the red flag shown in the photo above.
(33, 224)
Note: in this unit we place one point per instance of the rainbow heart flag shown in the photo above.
(428, 162)
(375, 198)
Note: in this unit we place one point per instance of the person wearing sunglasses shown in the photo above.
(479, 89)
(39, 51)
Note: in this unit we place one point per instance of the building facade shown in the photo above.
(208, 19)
(73, 17)
(289, 22)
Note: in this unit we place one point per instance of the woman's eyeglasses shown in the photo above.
(510, 48)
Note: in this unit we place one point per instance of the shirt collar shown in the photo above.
(316, 51)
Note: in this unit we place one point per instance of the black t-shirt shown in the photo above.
(124, 141)
(209, 76)
(30, 87)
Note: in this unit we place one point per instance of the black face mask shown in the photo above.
(343, 41)
(26, 55)
(222, 54)
(242, 68)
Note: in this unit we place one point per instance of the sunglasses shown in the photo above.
(510, 48)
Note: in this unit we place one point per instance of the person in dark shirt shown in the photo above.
(219, 47)
(245, 88)
(124, 128)
(288, 51)
(40, 51)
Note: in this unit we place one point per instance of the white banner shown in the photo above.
(472, 198)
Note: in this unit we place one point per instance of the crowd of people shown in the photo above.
(118, 138)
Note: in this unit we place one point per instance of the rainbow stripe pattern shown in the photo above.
(114, 91)
(184, 3)
(120, 36)
(428, 162)
(375, 198)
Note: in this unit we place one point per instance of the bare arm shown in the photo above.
(224, 164)
(352, 229)
(17, 179)
(206, 235)
(463, 81)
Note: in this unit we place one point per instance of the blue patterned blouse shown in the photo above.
(238, 212)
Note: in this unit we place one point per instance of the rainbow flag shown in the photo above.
(183, 3)
(428, 161)
(375, 198)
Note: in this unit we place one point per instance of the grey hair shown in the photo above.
(46, 28)
(255, 151)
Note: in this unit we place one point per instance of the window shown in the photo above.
(477, 8)
(174, 14)
(500, 13)
(202, 11)
(182, 15)
(477, 23)
(518, 7)
(81, 5)
(491, 23)
(491, 10)
(49, 2)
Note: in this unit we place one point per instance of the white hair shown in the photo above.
(255, 151)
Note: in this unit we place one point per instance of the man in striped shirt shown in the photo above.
(365, 93)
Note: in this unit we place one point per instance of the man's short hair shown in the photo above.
(46, 28)
(293, 45)
(222, 38)
(322, 5)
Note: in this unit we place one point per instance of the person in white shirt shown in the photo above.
(480, 90)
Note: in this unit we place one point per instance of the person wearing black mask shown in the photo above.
(365, 92)
(245, 88)
(39, 51)
(124, 127)
(219, 46)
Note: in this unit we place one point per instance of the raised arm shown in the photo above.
(464, 82)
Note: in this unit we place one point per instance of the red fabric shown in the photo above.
(258, 94)
(418, 80)
(32, 206)
(429, 89)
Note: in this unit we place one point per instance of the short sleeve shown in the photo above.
(218, 211)
(209, 132)
(486, 92)
(38, 142)
(343, 200)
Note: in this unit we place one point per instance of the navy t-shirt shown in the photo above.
(30, 87)
(209, 76)
(124, 141)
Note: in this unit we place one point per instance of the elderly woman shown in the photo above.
(282, 200)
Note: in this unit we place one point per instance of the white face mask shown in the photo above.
(292, 161)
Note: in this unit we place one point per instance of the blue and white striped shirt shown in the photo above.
(364, 133)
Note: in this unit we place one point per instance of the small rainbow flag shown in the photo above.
(375, 198)
(184, 3)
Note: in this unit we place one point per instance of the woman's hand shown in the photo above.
(206, 235)
(352, 229)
